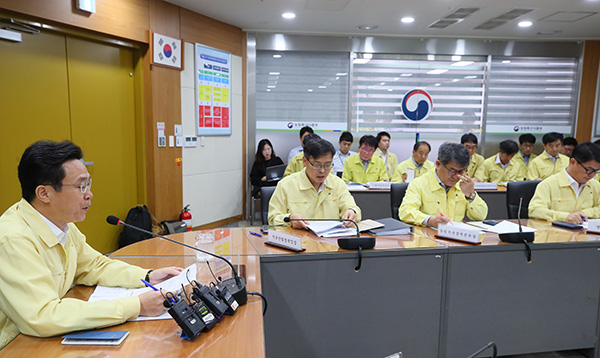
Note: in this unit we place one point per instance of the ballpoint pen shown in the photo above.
(444, 216)
(255, 233)
(148, 284)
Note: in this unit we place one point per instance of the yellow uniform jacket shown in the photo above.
(494, 173)
(354, 170)
(296, 194)
(475, 168)
(392, 161)
(543, 167)
(554, 199)
(426, 197)
(520, 162)
(36, 271)
(410, 164)
(295, 165)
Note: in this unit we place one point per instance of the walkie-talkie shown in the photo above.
(190, 321)
(223, 292)
(207, 317)
(214, 303)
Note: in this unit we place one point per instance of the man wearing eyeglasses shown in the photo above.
(43, 254)
(444, 194)
(313, 192)
(364, 167)
(570, 195)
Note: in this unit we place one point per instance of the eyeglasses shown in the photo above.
(453, 172)
(319, 166)
(588, 170)
(83, 186)
(367, 151)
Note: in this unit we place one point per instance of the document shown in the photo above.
(331, 229)
(171, 285)
(504, 227)
(410, 175)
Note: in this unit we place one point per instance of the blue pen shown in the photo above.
(148, 284)
(255, 233)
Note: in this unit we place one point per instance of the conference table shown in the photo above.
(416, 294)
(375, 203)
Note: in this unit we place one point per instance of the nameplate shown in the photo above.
(285, 241)
(593, 225)
(379, 185)
(485, 186)
(455, 232)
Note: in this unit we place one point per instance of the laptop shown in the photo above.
(275, 173)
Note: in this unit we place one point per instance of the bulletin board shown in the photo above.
(213, 91)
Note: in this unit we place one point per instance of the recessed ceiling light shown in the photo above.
(268, 90)
(437, 72)
(322, 86)
(406, 75)
(437, 84)
(506, 61)
(407, 20)
(274, 73)
(368, 27)
(470, 77)
(341, 73)
(525, 23)
(271, 86)
(310, 90)
(390, 90)
(276, 56)
(288, 15)
(382, 83)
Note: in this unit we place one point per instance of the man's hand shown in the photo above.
(298, 224)
(467, 184)
(164, 273)
(576, 218)
(404, 177)
(349, 214)
(151, 304)
(434, 221)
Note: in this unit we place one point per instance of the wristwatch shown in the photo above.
(148, 276)
(472, 196)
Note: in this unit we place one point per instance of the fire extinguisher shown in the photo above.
(186, 216)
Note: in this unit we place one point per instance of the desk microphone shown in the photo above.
(236, 285)
(348, 243)
(518, 237)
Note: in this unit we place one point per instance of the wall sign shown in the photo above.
(213, 91)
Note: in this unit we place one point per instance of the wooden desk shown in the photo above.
(428, 297)
(375, 203)
(240, 335)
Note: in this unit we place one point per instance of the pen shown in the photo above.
(148, 284)
(255, 233)
(444, 216)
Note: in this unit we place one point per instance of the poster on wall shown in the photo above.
(213, 91)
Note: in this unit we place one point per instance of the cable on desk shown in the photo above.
(264, 299)
(527, 251)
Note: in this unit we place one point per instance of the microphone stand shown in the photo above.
(348, 243)
(236, 284)
(519, 237)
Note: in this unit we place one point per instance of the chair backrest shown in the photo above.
(265, 196)
(514, 191)
(397, 191)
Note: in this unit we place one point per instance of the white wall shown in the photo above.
(212, 174)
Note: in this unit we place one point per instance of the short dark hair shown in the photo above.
(42, 164)
(418, 144)
(259, 157)
(509, 147)
(305, 129)
(526, 138)
(381, 135)
(346, 137)
(368, 140)
(318, 147)
(454, 152)
(586, 151)
(570, 141)
(468, 138)
(551, 137)
(310, 137)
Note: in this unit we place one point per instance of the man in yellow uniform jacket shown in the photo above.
(570, 195)
(389, 159)
(364, 167)
(417, 162)
(43, 254)
(475, 168)
(524, 156)
(550, 161)
(500, 167)
(444, 194)
(313, 192)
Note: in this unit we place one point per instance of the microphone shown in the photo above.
(347, 243)
(236, 285)
(518, 237)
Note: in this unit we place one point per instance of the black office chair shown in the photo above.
(514, 191)
(397, 192)
(265, 196)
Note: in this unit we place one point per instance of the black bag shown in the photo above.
(139, 216)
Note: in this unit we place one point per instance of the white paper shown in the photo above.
(507, 227)
(331, 229)
(410, 175)
(171, 285)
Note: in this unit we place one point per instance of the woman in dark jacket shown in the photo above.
(264, 157)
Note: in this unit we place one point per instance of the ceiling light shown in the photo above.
(288, 15)
(271, 86)
(341, 73)
(437, 84)
(274, 73)
(322, 86)
(276, 56)
(407, 20)
(470, 77)
(310, 90)
(506, 61)
(525, 23)
(382, 83)
(368, 27)
(456, 58)
(430, 57)
(437, 72)
(390, 90)
(406, 75)
(268, 90)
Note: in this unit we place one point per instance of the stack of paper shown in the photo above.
(331, 229)
(392, 227)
